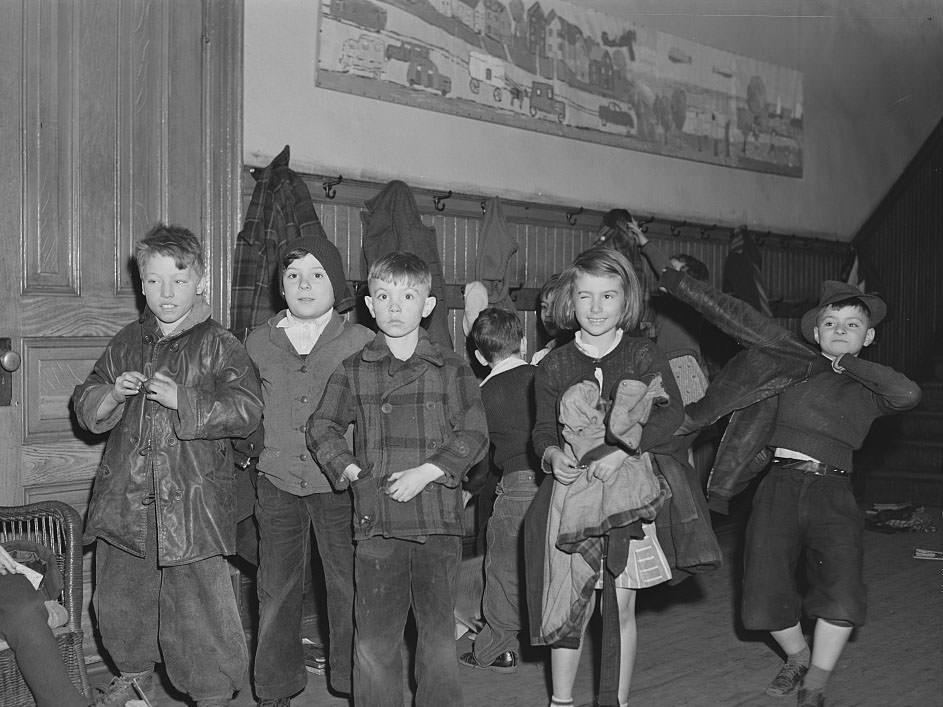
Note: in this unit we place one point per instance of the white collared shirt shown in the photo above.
(503, 365)
(594, 353)
(304, 333)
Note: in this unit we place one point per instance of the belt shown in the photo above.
(808, 466)
(524, 475)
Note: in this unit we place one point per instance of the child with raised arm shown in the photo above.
(419, 426)
(799, 412)
(171, 388)
(295, 352)
(599, 295)
(508, 396)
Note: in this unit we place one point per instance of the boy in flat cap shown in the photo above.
(295, 352)
(801, 413)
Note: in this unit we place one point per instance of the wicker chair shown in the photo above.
(57, 526)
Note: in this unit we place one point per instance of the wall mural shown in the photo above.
(555, 68)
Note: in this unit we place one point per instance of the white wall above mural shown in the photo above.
(556, 68)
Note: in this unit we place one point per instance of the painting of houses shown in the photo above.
(552, 67)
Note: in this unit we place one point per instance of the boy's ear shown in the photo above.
(201, 285)
(869, 337)
(428, 306)
(481, 358)
(368, 300)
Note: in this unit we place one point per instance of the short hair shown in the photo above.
(548, 289)
(852, 301)
(291, 256)
(497, 333)
(602, 262)
(692, 266)
(401, 267)
(174, 242)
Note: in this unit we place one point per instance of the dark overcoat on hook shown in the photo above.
(391, 222)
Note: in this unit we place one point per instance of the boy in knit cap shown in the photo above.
(801, 412)
(295, 352)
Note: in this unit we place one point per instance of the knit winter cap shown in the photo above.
(330, 258)
(835, 291)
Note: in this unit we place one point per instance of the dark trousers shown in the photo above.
(23, 626)
(285, 522)
(392, 576)
(798, 516)
(185, 615)
(501, 600)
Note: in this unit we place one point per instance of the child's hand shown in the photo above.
(605, 468)
(351, 473)
(163, 389)
(565, 468)
(635, 231)
(405, 485)
(7, 563)
(128, 383)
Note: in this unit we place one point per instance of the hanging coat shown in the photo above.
(496, 245)
(281, 209)
(391, 222)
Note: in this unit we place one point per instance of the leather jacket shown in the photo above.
(180, 461)
(746, 388)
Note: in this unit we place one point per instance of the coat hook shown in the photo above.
(484, 207)
(571, 216)
(675, 228)
(329, 184)
(643, 223)
(707, 230)
(437, 200)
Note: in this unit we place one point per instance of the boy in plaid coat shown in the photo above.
(419, 426)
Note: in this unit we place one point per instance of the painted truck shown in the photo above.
(542, 101)
(486, 69)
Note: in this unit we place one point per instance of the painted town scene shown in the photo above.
(556, 68)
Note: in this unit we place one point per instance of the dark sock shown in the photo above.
(816, 678)
(802, 657)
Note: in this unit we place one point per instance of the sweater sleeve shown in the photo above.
(545, 433)
(893, 391)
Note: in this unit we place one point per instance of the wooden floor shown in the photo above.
(692, 651)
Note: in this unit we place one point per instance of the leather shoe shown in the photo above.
(504, 663)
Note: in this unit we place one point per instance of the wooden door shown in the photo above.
(113, 117)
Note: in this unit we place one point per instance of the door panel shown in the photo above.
(120, 115)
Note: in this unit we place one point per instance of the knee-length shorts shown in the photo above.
(807, 521)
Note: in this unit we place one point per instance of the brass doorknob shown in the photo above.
(10, 361)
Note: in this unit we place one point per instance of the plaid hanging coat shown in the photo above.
(281, 209)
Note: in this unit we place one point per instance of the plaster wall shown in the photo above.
(873, 89)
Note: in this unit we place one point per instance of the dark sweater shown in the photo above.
(828, 415)
(509, 404)
(633, 358)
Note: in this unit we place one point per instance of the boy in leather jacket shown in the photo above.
(801, 413)
(171, 389)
